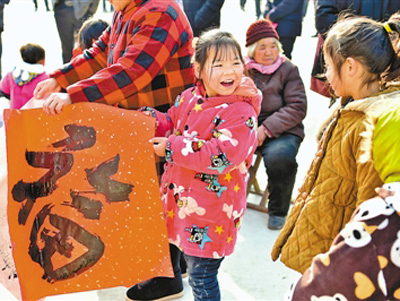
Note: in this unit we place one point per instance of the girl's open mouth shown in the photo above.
(227, 83)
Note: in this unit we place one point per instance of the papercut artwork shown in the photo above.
(84, 209)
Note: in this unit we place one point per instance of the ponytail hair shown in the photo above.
(392, 27)
(372, 43)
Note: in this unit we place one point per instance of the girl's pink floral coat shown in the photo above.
(211, 141)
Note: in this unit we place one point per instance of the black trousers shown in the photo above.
(46, 2)
(287, 45)
(67, 26)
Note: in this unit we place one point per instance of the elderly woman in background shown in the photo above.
(283, 108)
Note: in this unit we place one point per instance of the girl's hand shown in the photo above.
(159, 145)
(261, 135)
(45, 88)
(147, 113)
(55, 103)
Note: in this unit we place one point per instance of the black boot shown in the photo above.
(160, 288)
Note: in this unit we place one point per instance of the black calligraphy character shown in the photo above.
(58, 164)
(61, 241)
(99, 178)
(90, 208)
(80, 137)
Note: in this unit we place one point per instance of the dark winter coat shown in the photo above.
(288, 14)
(327, 10)
(2, 3)
(284, 102)
(203, 14)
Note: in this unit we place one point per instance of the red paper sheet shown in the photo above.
(84, 208)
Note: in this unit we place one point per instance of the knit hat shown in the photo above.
(260, 29)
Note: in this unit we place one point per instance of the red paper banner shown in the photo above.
(84, 208)
(8, 275)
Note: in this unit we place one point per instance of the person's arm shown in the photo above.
(376, 150)
(5, 89)
(237, 138)
(294, 109)
(164, 121)
(85, 65)
(367, 177)
(147, 53)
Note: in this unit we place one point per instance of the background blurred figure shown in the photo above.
(2, 3)
(327, 11)
(46, 2)
(89, 32)
(326, 14)
(203, 14)
(69, 16)
(257, 4)
(105, 7)
(288, 15)
(283, 108)
(19, 84)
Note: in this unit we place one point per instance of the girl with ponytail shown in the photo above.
(358, 152)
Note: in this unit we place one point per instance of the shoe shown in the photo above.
(185, 275)
(159, 288)
(276, 222)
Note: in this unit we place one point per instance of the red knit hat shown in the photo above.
(260, 29)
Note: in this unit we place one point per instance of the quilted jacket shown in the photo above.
(341, 177)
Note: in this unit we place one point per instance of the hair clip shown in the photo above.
(387, 27)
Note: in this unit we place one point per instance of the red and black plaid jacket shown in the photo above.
(142, 59)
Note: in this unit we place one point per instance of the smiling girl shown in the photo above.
(208, 139)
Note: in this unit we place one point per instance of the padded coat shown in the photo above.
(341, 177)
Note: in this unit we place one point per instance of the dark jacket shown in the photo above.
(327, 10)
(284, 101)
(2, 3)
(288, 14)
(203, 14)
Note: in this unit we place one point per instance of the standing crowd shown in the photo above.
(215, 108)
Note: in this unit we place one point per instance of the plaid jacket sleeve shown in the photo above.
(151, 41)
(86, 64)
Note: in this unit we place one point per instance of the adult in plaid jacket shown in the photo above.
(142, 59)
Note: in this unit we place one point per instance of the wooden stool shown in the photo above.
(254, 187)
